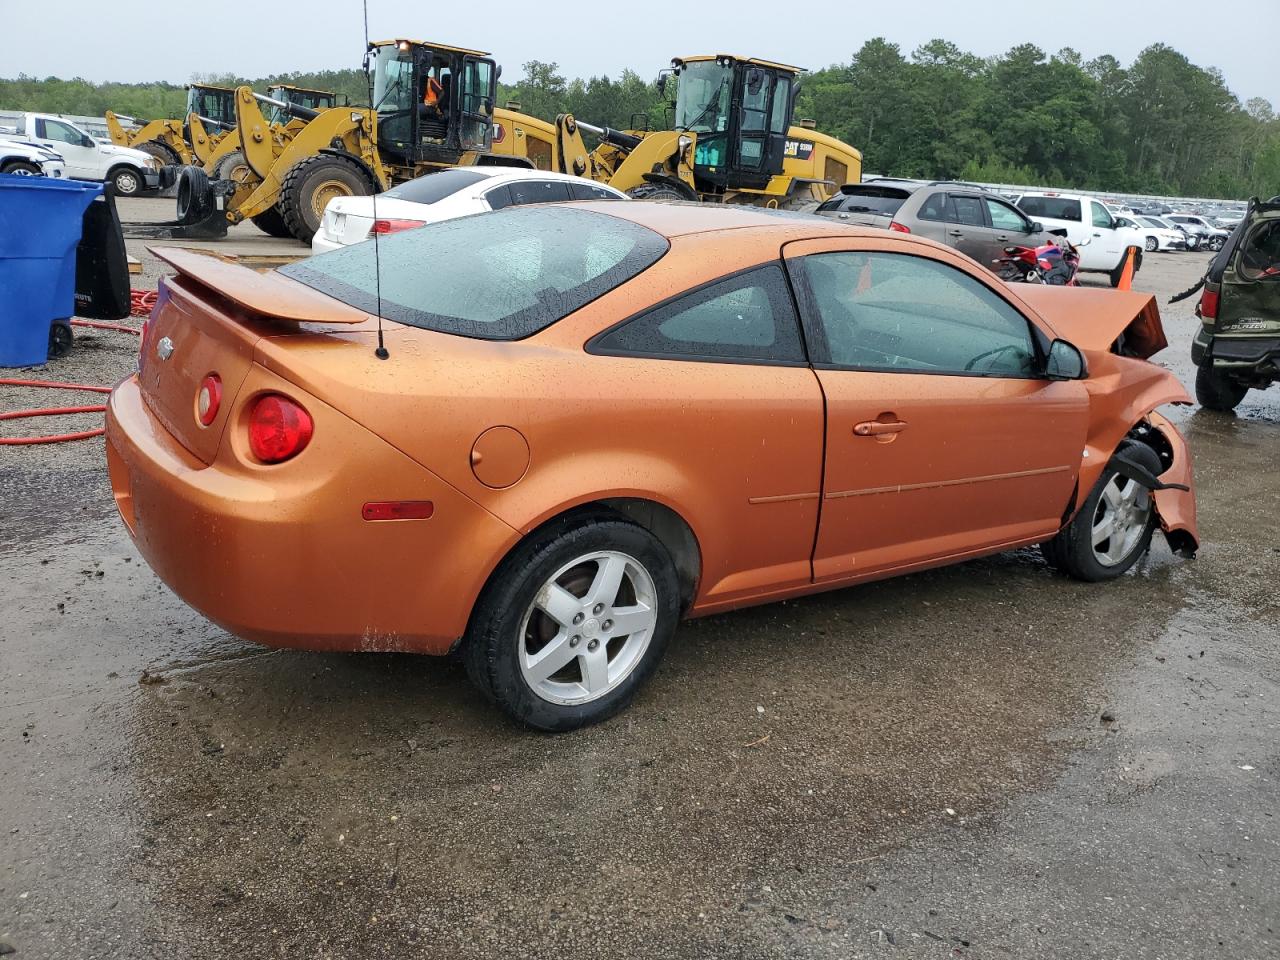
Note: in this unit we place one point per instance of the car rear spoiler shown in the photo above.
(268, 294)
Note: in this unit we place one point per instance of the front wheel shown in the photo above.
(1152, 244)
(1113, 528)
(309, 186)
(573, 623)
(127, 181)
(1217, 391)
(20, 168)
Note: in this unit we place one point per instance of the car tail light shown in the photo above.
(901, 228)
(1209, 304)
(209, 399)
(278, 428)
(383, 227)
(398, 510)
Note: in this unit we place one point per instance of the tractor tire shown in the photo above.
(233, 167)
(656, 191)
(162, 152)
(22, 169)
(1216, 391)
(271, 222)
(311, 184)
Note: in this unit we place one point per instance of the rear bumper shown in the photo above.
(281, 555)
(321, 244)
(1260, 355)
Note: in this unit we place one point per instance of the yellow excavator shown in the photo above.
(210, 115)
(733, 141)
(433, 107)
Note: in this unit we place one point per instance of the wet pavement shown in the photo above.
(983, 761)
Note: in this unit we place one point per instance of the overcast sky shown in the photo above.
(135, 40)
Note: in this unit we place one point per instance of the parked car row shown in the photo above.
(79, 155)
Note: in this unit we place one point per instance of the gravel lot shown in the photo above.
(981, 761)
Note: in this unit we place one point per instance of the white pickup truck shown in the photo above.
(29, 160)
(1089, 224)
(132, 171)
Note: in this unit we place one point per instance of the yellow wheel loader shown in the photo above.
(433, 107)
(733, 142)
(210, 115)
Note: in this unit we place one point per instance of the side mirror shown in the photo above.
(1036, 227)
(1064, 362)
(87, 141)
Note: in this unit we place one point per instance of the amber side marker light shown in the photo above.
(278, 428)
(398, 510)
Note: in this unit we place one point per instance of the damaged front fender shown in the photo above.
(1176, 502)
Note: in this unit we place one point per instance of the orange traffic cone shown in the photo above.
(1126, 275)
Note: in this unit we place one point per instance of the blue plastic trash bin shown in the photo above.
(40, 224)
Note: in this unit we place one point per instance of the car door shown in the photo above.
(1008, 228)
(1106, 240)
(943, 440)
(83, 162)
(967, 227)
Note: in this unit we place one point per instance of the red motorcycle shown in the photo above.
(1055, 264)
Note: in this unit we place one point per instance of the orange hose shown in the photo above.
(107, 326)
(52, 411)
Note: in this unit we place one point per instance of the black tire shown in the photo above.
(1217, 391)
(233, 166)
(505, 621)
(22, 169)
(162, 152)
(60, 339)
(307, 182)
(1072, 550)
(195, 197)
(1151, 244)
(127, 181)
(271, 222)
(656, 191)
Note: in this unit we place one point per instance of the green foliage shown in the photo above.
(1160, 125)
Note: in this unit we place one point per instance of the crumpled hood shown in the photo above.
(1093, 319)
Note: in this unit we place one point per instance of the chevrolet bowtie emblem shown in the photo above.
(164, 349)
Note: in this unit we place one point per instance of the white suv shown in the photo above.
(1090, 226)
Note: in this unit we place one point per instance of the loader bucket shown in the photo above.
(202, 213)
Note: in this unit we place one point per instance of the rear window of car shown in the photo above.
(867, 199)
(1051, 208)
(501, 276)
(435, 186)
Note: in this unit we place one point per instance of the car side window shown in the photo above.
(498, 197)
(1101, 216)
(747, 317)
(53, 130)
(590, 191)
(967, 211)
(935, 208)
(1004, 217)
(909, 314)
(538, 191)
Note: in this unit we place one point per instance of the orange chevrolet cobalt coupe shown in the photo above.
(594, 419)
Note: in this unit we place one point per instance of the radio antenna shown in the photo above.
(381, 352)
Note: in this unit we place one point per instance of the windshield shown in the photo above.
(393, 95)
(702, 100)
(496, 276)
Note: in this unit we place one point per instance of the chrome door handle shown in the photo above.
(877, 428)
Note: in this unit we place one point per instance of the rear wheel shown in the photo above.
(573, 623)
(1113, 528)
(21, 168)
(311, 184)
(1217, 391)
(656, 191)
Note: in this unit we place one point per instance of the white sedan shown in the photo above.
(1156, 234)
(455, 192)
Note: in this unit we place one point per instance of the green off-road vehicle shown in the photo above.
(1238, 345)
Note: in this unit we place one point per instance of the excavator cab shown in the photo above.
(434, 103)
(740, 110)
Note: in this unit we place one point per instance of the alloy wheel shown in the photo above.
(1120, 520)
(587, 628)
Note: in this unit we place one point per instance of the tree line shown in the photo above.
(1160, 125)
